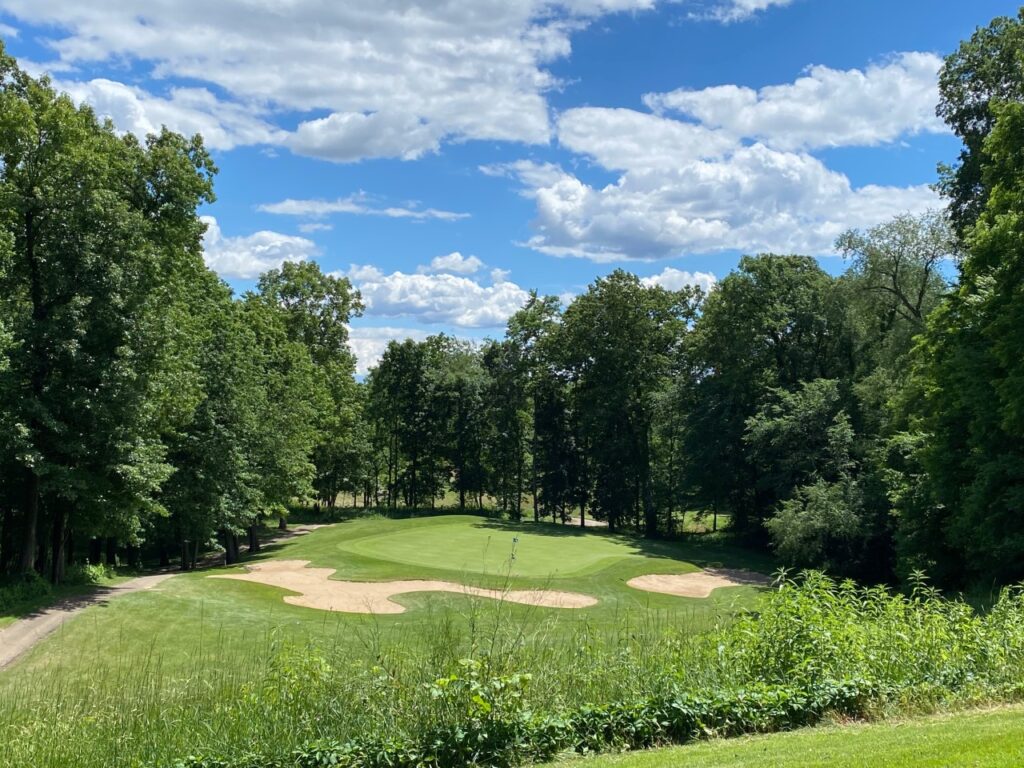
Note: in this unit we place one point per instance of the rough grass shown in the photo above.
(150, 670)
(987, 739)
(228, 671)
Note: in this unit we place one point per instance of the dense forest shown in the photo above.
(870, 423)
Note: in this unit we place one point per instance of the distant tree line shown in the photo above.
(870, 423)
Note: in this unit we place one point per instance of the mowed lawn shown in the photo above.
(992, 739)
(192, 620)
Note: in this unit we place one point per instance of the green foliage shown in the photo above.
(768, 327)
(983, 72)
(814, 649)
(820, 525)
(971, 384)
(24, 590)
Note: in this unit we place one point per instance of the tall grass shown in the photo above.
(910, 652)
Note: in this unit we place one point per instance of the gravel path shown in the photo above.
(23, 634)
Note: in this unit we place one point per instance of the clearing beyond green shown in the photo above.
(991, 739)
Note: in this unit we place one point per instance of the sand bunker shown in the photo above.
(699, 584)
(317, 590)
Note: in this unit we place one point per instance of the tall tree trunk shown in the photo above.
(28, 540)
(39, 375)
(95, 550)
(254, 540)
(519, 483)
(185, 558)
(7, 545)
(230, 547)
(58, 535)
(111, 550)
(650, 514)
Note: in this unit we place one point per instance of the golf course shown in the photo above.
(174, 620)
(532, 384)
(168, 652)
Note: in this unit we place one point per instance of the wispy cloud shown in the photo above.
(355, 205)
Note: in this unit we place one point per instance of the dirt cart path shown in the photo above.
(23, 634)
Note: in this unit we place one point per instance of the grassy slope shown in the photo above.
(993, 739)
(192, 619)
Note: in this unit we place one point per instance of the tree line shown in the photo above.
(141, 404)
(870, 422)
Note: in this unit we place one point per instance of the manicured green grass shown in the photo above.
(483, 548)
(992, 739)
(192, 620)
(473, 545)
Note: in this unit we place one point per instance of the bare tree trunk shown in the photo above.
(28, 542)
(111, 550)
(95, 550)
(57, 540)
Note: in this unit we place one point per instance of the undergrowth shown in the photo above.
(505, 695)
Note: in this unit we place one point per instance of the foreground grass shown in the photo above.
(230, 674)
(988, 739)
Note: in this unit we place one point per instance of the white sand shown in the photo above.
(316, 589)
(699, 584)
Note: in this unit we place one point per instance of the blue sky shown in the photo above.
(448, 157)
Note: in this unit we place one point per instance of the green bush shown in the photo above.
(24, 591)
(87, 573)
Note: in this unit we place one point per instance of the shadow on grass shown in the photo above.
(705, 550)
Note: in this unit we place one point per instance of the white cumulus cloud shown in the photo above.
(455, 263)
(369, 342)
(673, 279)
(357, 205)
(247, 256)
(366, 78)
(735, 170)
(437, 298)
(739, 10)
(224, 125)
(825, 108)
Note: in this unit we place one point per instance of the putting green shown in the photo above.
(486, 548)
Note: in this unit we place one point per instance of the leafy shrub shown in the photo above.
(88, 573)
(23, 592)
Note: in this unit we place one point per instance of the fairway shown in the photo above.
(973, 740)
(479, 546)
(470, 555)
